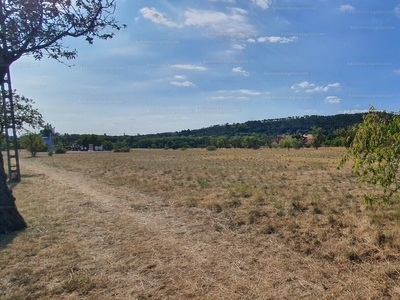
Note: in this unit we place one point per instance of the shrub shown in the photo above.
(32, 142)
(50, 153)
(123, 149)
(60, 151)
(211, 148)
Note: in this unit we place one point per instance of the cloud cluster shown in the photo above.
(332, 99)
(250, 92)
(240, 71)
(273, 40)
(189, 67)
(153, 15)
(311, 88)
(346, 8)
(233, 24)
(263, 4)
(186, 83)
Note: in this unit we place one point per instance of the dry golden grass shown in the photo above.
(194, 224)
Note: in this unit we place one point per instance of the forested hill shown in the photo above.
(250, 134)
(290, 125)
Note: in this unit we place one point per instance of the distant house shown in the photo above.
(49, 143)
(307, 139)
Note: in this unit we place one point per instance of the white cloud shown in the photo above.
(251, 40)
(346, 8)
(229, 1)
(353, 111)
(186, 83)
(241, 71)
(319, 89)
(249, 92)
(221, 97)
(238, 47)
(263, 4)
(323, 88)
(304, 84)
(239, 10)
(153, 15)
(277, 39)
(189, 67)
(397, 10)
(243, 98)
(179, 77)
(332, 99)
(221, 24)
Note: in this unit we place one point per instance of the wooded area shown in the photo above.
(251, 134)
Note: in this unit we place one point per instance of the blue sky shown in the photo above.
(191, 64)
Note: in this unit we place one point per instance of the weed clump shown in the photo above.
(215, 207)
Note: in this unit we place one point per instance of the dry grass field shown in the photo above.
(227, 224)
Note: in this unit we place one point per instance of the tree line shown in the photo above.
(329, 131)
(341, 137)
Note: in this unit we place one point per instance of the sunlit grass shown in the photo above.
(225, 216)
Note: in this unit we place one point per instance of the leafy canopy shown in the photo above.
(319, 137)
(346, 135)
(24, 112)
(32, 142)
(38, 27)
(376, 154)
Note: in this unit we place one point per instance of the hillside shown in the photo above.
(223, 136)
(289, 125)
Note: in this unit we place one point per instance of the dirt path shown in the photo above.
(113, 242)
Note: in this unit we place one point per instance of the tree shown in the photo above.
(86, 139)
(296, 141)
(32, 142)
(108, 145)
(286, 142)
(319, 137)
(346, 136)
(236, 141)
(38, 28)
(25, 113)
(376, 154)
(47, 130)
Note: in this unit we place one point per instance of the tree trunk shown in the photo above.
(10, 219)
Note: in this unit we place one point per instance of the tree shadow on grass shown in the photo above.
(13, 184)
(7, 238)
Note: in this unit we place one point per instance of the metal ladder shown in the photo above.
(10, 132)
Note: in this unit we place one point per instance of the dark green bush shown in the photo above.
(60, 151)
